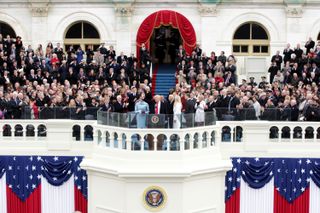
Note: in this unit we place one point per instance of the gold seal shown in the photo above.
(154, 198)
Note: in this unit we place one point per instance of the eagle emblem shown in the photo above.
(154, 198)
(155, 119)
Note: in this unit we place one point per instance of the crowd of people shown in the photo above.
(32, 80)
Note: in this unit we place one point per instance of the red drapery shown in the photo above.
(300, 205)
(80, 201)
(166, 17)
(233, 203)
(31, 205)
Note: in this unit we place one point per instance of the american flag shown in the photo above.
(26, 179)
(283, 182)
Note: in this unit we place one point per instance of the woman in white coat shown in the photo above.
(200, 107)
(177, 107)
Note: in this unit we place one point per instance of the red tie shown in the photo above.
(156, 109)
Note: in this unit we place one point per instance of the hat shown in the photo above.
(244, 79)
(263, 77)
(251, 77)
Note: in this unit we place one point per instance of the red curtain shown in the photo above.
(31, 205)
(166, 17)
(233, 203)
(299, 205)
(80, 202)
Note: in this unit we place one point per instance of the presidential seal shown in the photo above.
(154, 198)
(155, 119)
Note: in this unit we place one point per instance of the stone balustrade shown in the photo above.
(243, 137)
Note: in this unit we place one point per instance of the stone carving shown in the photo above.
(124, 10)
(39, 11)
(294, 12)
(208, 10)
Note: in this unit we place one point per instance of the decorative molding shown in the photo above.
(124, 10)
(294, 11)
(39, 11)
(206, 10)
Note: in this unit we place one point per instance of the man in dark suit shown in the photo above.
(158, 107)
(132, 98)
(106, 107)
(229, 79)
(277, 58)
(121, 58)
(15, 104)
(190, 103)
(103, 51)
(212, 104)
(298, 51)
(287, 53)
(118, 106)
(309, 45)
(170, 110)
(273, 69)
(111, 76)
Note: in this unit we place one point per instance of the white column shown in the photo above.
(39, 24)
(295, 30)
(123, 14)
(112, 140)
(200, 142)
(141, 140)
(155, 143)
(181, 144)
(209, 27)
(129, 143)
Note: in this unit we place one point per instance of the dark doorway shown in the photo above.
(164, 43)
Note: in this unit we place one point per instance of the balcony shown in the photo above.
(224, 139)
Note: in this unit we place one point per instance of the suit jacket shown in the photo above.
(170, 107)
(16, 110)
(132, 98)
(107, 108)
(163, 108)
(118, 107)
(211, 106)
(190, 103)
(120, 60)
(309, 45)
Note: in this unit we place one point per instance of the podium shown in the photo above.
(157, 121)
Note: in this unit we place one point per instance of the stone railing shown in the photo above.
(156, 139)
(230, 138)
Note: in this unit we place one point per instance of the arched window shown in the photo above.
(6, 29)
(82, 34)
(251, 39)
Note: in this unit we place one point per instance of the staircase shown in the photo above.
(163, 79)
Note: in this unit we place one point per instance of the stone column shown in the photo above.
(39, 29)
(295, 33)
(208, 35)
(123, 13)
